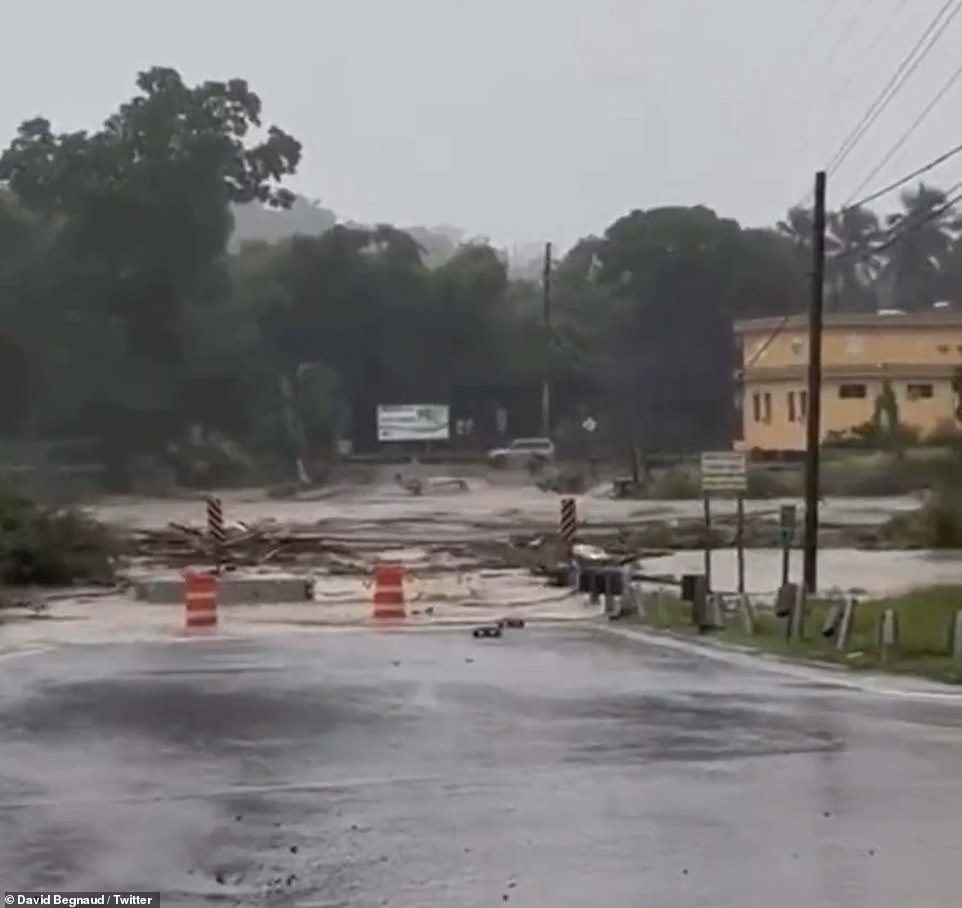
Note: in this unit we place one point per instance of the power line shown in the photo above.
(779, 328)
(942, 92)
(804, 140)
(816, 29)
(895, 233)
(846, 31)
(873, 44)
(885, 190)
(903, 73)
(817, 26)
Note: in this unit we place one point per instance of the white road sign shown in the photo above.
(724, 471)
(413, 422)
(589, 425)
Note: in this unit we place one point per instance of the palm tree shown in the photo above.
(798, 226)
(923, 235)
(853, 264)
(951, 283)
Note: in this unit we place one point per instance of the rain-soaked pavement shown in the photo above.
(553, 767)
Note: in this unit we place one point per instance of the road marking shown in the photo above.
(824, 677)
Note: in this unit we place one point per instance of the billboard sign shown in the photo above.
(413, 422)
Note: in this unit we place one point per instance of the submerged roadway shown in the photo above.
(553, 767)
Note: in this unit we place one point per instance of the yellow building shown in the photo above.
(916, 353)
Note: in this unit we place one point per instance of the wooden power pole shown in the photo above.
(548, 351)
(814, 429)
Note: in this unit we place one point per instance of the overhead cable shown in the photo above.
(907, 134)
(903, 73)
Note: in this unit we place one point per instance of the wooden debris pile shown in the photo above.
(246, 544)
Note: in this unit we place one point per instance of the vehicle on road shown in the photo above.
(522, 452)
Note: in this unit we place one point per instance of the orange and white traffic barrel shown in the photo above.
(388, 595)
(200, 600)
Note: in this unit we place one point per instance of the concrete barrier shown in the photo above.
(230, 590)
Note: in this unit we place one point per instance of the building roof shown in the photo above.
(932, 318)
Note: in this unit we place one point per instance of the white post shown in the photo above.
(845, 626)
(888, 634)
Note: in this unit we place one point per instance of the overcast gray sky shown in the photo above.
(523, 120)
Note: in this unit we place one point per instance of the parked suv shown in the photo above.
(523, 451)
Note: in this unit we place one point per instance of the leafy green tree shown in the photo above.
(140, 216)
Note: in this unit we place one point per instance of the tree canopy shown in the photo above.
(130, 310)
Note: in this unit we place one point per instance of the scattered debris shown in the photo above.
(258, 544)
(417, 486)
(511, 622)
(487, 631)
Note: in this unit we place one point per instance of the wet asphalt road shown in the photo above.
(551, 768)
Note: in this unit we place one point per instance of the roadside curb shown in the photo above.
(812, 672)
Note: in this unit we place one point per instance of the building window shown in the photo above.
(767, 408)
(849, 392)
(919, 391)
(757, 406)
(803, 405)
(791, 406)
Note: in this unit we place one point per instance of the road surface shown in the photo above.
(555, 767)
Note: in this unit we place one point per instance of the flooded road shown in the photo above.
(552, 767)
(876, 573)
(385, 516)
(362, 507)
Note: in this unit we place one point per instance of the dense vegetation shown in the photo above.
(130, 311)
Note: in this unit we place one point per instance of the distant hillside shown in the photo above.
(255, 223)
(438, 243)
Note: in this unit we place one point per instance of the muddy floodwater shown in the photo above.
(385, 515)
(483, 506)
(850, 570)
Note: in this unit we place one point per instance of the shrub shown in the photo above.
(51, 547)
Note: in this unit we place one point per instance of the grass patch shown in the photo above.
(925, 618)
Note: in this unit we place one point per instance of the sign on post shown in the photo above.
(724, 472)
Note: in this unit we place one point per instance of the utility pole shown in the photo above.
(548, 351)
(813, 439)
